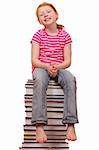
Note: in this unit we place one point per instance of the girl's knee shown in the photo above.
(40, 75)
(67, 76)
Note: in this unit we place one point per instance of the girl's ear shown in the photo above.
(56, 17)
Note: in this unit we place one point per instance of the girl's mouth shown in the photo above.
(47, 19)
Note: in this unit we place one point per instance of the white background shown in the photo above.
(17, 25)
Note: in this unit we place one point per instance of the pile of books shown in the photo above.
(55, 130)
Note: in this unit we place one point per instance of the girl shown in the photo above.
(51, 55)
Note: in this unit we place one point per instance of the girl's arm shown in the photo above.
(67, 58)
(35, 57)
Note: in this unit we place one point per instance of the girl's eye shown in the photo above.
(41, 15)
(49, 11)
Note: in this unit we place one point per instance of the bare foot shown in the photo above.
(40, 134)
(71, 134)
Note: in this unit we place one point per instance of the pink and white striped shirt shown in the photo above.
(51, 47)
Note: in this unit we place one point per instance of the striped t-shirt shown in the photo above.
(51, 47)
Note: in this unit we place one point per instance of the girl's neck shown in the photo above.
(51, 29)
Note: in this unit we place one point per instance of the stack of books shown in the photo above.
(55, 130)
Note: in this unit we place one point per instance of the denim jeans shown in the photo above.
(39, 104)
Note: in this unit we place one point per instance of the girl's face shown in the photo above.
(46, 15)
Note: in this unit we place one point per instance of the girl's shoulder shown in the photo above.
(63, 30)
(65, 35)
(38, 34)
(40, 31)
(37, 37)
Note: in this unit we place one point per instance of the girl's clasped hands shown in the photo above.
(53, 70)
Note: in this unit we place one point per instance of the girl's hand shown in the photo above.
(53, 71)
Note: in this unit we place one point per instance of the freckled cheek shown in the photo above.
(53, 16)
(40, 20)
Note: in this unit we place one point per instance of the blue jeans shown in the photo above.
(39, 103)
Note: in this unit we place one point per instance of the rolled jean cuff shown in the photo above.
(70, 121)
(39, 122)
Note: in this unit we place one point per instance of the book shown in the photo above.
(44, 148)
(47, 145)
(55, 86)
(54, 100)
(51, 137)
(50, 121)
(49, 114)
(51, 132)
(55, 109)
(49, 104)
(49, 97)
(48, 141)
(47, 127)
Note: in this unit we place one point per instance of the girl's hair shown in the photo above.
(59, 26)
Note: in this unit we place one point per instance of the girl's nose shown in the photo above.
(45, 15)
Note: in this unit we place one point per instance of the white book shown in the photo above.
(47, 145)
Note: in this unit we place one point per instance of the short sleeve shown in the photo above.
(37, 37)
(67, 37)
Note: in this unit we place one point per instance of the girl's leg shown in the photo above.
(39, 107)
(68, 82)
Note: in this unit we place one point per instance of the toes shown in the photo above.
(71, 138)
(41, 139)
(68, 138)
